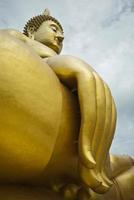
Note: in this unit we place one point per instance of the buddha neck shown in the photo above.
(41, 49)
(48, 52)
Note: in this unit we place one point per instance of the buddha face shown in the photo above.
(50, 34)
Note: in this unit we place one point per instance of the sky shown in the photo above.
(101, 32)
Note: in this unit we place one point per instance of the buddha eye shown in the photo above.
(54, 28)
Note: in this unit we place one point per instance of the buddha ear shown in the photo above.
(31, 31)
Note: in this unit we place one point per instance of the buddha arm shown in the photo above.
(42, 50)
(97, 117)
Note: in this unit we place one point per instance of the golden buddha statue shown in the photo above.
(57, 122)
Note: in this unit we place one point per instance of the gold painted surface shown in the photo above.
(57, 122)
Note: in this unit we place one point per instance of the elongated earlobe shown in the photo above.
(30, 32)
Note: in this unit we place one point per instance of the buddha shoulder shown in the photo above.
(15, 33)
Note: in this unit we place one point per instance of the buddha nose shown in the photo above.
(60, 37)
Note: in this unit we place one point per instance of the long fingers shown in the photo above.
(87, 100)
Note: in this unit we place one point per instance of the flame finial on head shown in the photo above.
(46, 12)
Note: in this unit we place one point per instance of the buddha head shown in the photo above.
(45, 29)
